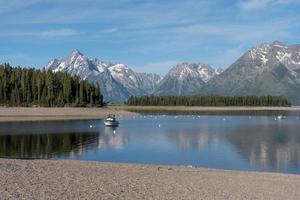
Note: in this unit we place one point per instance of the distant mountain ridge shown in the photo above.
(268, 69)
(117, 81)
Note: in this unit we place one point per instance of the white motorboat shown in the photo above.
(111, 121)
(281, 117)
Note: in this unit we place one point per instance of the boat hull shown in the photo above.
(111, 123)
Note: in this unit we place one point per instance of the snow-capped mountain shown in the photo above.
(186, 79)
(137, 84)
(269, 69)
(117, 81)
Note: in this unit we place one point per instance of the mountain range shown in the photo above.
(117, 81)
(268, 69)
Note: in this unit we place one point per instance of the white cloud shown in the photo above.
(110, 30)
(253, 5)
(52, 33)
(59, 33)
(12, 5)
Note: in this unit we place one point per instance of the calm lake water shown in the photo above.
(238, 142)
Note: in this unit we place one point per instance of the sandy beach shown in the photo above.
(67, 179)
(32, 114)
(68, 113)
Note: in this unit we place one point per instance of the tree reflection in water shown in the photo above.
(56, 139)
(46, 145)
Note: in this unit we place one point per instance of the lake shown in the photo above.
(255, 142)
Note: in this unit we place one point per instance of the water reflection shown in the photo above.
(263, 143)
(217, 141)
(46, 145)
(195, 139)
(111, 139)
(46, 139)
(56, 139)
(275, 146)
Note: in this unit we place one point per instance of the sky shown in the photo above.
(147, 35)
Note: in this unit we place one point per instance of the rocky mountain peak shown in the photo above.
(75, 52)
(197, 70)
(185, 79)
(76, 56)
(117, 81)
(268, 69)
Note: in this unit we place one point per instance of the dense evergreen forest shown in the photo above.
(209, 101)
(34, 87)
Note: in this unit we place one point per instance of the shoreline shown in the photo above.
(69, 179)
(19, 114)
(11, 114)
(203, 108)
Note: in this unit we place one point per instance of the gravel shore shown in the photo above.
(68, 113)
(32, 114)
(67, 179)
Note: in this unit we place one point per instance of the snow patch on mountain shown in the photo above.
(186, 78)
(184, 70)
(117, 81)
(268, 69)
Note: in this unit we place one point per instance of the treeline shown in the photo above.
(208, 101)
(33, 87)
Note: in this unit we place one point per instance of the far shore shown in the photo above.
(8, 114)
(203, 108)
(66, 113)
(71, 179)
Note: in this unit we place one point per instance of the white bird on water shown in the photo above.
(159, 125)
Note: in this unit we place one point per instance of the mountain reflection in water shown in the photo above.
(276, 147)
(218, 141)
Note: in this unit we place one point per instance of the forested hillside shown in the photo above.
(209, 101)
(33, 87)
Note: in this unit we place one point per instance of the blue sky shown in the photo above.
(148, 36)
